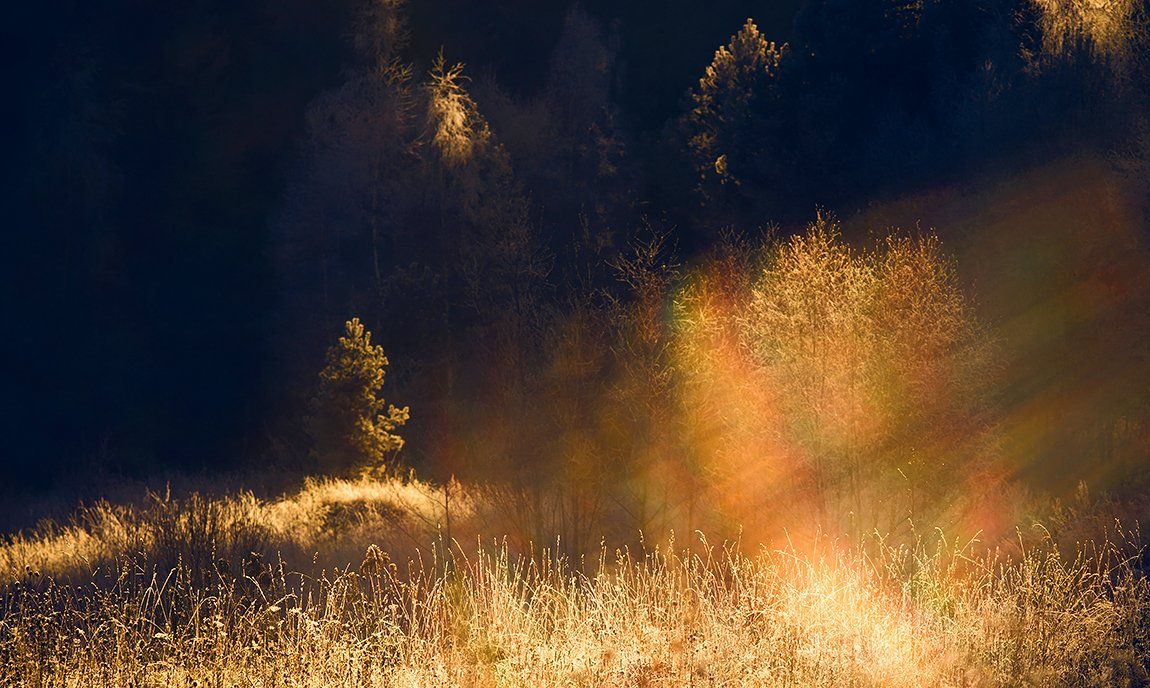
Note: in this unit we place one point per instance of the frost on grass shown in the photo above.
(930, 613)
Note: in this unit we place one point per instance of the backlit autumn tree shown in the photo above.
(1100, 29)
(810, 326)
(351, 425)
(877, 358)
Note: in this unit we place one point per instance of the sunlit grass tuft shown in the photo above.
(334, 515)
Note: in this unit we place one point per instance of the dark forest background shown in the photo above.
(199, 194)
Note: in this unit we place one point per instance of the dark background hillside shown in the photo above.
(148, 146)
(157, 155)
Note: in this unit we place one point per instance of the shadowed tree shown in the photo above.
(343, 202)
(570, 149)
(733, 126)
(473, 204)
(381, 31)
(470, 238)
(590, 153)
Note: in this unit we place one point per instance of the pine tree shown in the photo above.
(731, 126)
(349, 426)
(347, 196)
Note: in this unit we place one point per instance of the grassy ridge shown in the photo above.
(327, 515)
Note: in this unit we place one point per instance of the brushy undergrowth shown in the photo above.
(198, 592)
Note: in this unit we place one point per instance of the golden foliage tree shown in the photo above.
(810, 324)
(1103, 29)
(453, 120)
(876, 355)
(351, 424)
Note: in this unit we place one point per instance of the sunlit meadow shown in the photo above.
(905, 446)
(836, 559)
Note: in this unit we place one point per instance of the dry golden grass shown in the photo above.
(171, 594)
(325, 514)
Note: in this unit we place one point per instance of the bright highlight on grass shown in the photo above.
(932, 612)
(811, 394)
